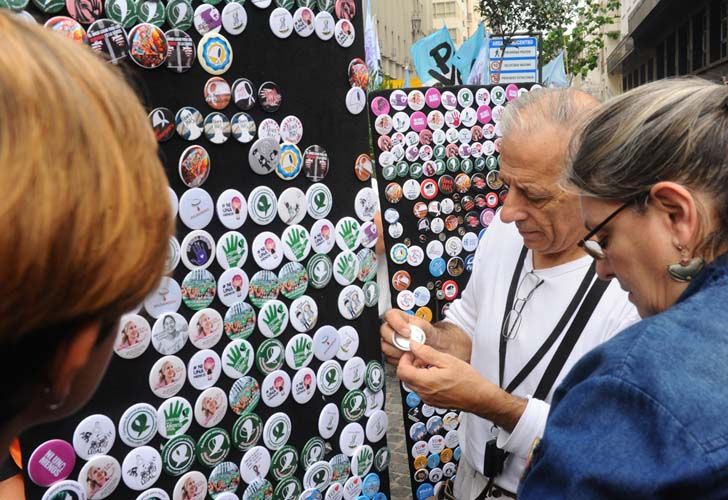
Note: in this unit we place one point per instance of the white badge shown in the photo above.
(296, 243)
(326, 343)
(196, 208)
(173, 202)
(416, 100)
(167, 376)
(422, 296)
(303, 385)
(234, 18)
(303, 22)
(277, 431)
(138, 425)
(237, 358)
(351, 302)
(348, 343)
(351, 438)
(335, 492)
(204, 369)
(291, 129)
(323, 236)
(95, 435)
(453, 246)
(273, 318)
(346, 268)
(366, 204)
(262, 204)
(191, 486)
(65, 489)
(348, 234)
(470, 242)
(232, 286)
(292, 206)
(328, 420)
(207, 19)
(173, 255)
(354, 370)
(210, 407)
(319, 200)
(169, 333)
(299, 351)
(435, 249)
(352, 488)
(362, 460)
(317, 476)
(281, 22)
(344, 33)
(174, 417)
(304, 314)
(267, 250)
(206, 328)
(133, 337)
(269, 129)
(232, 209)
(377, 426)
(100, 476)
(275, 389)
(356, 100)
(436, 444)
(415, 255)
(451, 439)
(405, 300)
(197, 250)
(375, 401)
(255, 464)
(232, 250)
(324, 25)
(411, 189)
(154, 494)
(329, 377)
(141, 468)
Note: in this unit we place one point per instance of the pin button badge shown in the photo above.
(141, 468)
(108, 38)
(70, 28)
(148, 45)
(194, 166)
(292, 206)
(281, 22)
(262, 204)
(163, 124)
(351, 438)
(214, 53)
(95, 435)
(277, 431)
(180, 15)
(133, 337)
(234, 18)
(50, 462)
(100, 476)
(189, 123)
(165, 299)
(207, 19)
(275, 389)
(191, 486)
(65, 489)
(403, 344)
(344, 33)
(304, 21)
(327, 424)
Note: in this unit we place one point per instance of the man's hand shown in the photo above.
(444, 381)
(399, 321)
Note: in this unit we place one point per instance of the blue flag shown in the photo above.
(553, 74)
(433, 58)
(468, 52)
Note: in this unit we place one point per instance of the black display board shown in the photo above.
(314, 80)
(446, 194)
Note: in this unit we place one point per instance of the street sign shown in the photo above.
(518, 63)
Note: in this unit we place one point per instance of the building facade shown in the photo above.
(460, 16)
(666, 38)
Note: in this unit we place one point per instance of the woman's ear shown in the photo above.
(680, 209)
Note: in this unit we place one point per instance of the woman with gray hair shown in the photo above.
(643, 415)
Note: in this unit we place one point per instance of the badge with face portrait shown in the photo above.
(133, 337)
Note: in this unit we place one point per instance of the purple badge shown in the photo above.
(51, 462)
(418, 121)
(380, 106)
(484, 114)
(487, 216)
(433, 98)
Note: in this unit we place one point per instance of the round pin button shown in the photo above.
(197, 250)
(108, 38)
(262, 204)
(352, 488)
(281, 22)
(181, 48)
(204, 369)
(100, 476)
(277, 431)
(214, 53)
(329, 377)
(133, 337)
(275, 389)
(67, 27)
(351, 302)
(273, 318)
(198, 289)
(238, 356)
(191, 486)
(270, 356)
(167, 376)
(207, 19)
(141, 468)
(270, 96)
(65, 489)
(95, 435)
(244, 395)
(348, 234)
(148, 45)
(351, 438)
(234, 18)
(290, 162)
(304, 314)
(267, 250)
(151, 11)
(303, 21)
(319, 201)
(194, 166)
(317, 476)
(344, 33)
(50, 462)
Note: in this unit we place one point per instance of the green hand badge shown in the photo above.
(297, 241)
(274, 318)
(234, 249)
(176, 417)
(347, 267)
(301, 351)
(349, 232)
(237, 361)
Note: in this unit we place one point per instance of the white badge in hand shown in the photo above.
(403, 344)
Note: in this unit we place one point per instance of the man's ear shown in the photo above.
(72, 356)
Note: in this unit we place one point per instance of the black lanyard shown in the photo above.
(559, 359)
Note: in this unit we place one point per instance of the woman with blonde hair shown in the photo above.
(85, 218)
(643, 415)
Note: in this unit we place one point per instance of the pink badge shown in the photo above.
(418, 121)
(512, 92)
(51, 462)
(433, 98)
(484, 114)
(380, 106)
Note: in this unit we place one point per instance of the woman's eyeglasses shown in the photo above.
(595, 248)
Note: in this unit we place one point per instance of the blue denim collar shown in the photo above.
(717, 268)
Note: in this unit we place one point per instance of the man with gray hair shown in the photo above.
(532, 308)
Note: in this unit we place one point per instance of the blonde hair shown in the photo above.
(669, 130)
(85, 210)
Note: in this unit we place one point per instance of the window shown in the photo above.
(445, 9)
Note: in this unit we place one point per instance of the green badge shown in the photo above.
(264, 286)
(415, 170)
(340, 468)
(284, 463)
(346, 268)
(367, 264)
(286, 4)
(311, 4)
(276, 431)
(320, 270)
(178, 455)
(440, 166)
(179, 15)
(213, 447)
(244, 395)
(389, 172)
(16, 4)
(123, 12)
(299, 351)
(439, 152)
(362, 460)
(467, 165)
(270, 356)
(479, 164)
(239, 321)
(453, 164)
(151, 11)
(297, 243)
(313, 451)
(327, 5)
(259, 489)
(318, 476)
(213, 2)
(237, 358)
(288, 489)
(354, 405)
(293, 280)
(224, 477)
(198, 289)
(371, 293)
(247, 431)
(402, 169)
(53, 6)
(491, 163)
(273, 318)
(174, 417)
(381, 459)
(347, 231)
(374, 376)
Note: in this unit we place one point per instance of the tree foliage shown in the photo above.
(579, 27)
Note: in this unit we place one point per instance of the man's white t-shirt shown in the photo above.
(479, 312)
